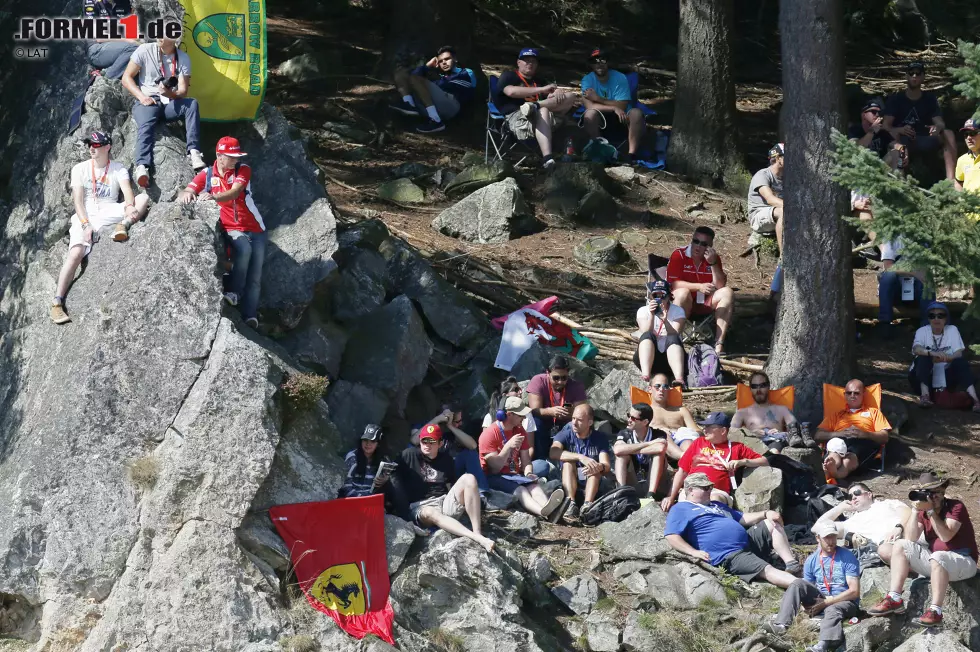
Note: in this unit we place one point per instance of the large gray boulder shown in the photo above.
(579, 593)
(568, 185)
(495, 213)
(477, 176)
(934, 641)
(639, 537)
(399, 537)
(961, 612)
(317, 343)
(353, 406)
(611, 396)
(761, 489)
(360, 286)
(673, 585)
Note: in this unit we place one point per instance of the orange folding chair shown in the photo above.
(834, 401)
(784, 396)
(675, 398)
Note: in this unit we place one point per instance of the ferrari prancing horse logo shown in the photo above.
(341, 589)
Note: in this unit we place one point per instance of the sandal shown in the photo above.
(925, 403)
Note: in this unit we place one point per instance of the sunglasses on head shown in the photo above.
(758, 385)
(854, 493)
(937, 315)
(700, 243)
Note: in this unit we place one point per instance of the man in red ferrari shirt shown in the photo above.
(699, 283)
(229, 183)
(716, 457)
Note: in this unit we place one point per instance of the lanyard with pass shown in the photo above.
(823, 570)
(533, 98)
(516, 454)
(102, 179)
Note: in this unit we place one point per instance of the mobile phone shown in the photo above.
(384, 472)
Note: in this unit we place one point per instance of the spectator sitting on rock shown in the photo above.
(659, 325)
(699, 283)
(914, 119)
(675, 420)
(552, 396)
(532, 109)
(640, 450)
(606, 95)
(109, 55)
(584, 457)
(426, 478)
(862, 430)
(870, 522)
(775, 425)
(95, 187)
(714, 532)
(890, 288)
(460, 446)
(939, 363)
(766, 199)
(830, 588)
(362, 465)
(159, 77)
(948, 553)
(716, 457)
(505, 459)
(439, 86)
(229, 183)
(511, 387)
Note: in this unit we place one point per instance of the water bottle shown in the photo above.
(569, 154)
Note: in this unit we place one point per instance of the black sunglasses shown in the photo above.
(874, 111)
(630, 417)
(558, 378)
(856, 492)
(702, 243)
(937, 315)
(853, 393)
(758, 385)
(916, 73)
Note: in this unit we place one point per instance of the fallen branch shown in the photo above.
(860, 248)
(602, 337)
(451, 378)
(739, 365)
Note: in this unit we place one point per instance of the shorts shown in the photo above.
(606, 484)
(106, 215)
(959, 564)
(684, 434)
(660, 363)
(522, 128)
(748, 564)
(500, 483)
(447, 504)
(762, 220)
(447, 106)
(701, 309)
(864, 449)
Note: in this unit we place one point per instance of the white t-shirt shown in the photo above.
(876, 522)
(106, 182)
(528, 423)
(949, 342)
(674, 313)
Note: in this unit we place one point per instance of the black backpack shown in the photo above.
(615, 506)
(799, 484)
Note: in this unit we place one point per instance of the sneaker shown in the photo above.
(252, 323)
(142, 176)
(930, 618)
(431, 127)
(405, 108)
(554, 502)
(528, 108)
(231, 298)
(58, 314)
(794, 567)
(121, 233)
(573, 510)
(197, 161)
(548, 163)
(773, 627)
(560, 511)
(888, 606)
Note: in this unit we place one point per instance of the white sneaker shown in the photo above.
(197, 161)
(231, 298)
(142, 176)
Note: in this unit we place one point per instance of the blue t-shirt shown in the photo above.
(596, 443)
(833, 572)
(616, 87)
(713, 528)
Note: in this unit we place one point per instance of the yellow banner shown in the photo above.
(226, 42)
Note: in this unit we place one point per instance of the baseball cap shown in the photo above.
(528, 52)
(970, 125)
(98, 138)
(229, 147)
(824, 529)
(716, 419)
(915, 65)
(431, 431)
(777, 150)
(372, 432)
(515, 405)
(873, 103)
(938, 305)
(698, 480)
(837, 445)
(597, 53)
(658, 286)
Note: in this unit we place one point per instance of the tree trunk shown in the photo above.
(423, 26)
(704, 143)
(814, 338)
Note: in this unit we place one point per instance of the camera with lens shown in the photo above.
(169, 82)
(920, 495)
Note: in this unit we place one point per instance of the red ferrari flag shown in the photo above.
(338, 550)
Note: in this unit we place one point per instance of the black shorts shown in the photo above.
(864, 449)
(660, 364)
(748, 564)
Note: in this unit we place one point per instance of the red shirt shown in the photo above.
(492, 441)
(702, 457)
(240, 213)
(962, 540)
(682, 268)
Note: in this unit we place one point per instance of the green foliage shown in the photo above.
(969, 74)
(304, 390)
(938, 227)
(605, 604)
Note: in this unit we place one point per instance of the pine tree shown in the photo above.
(968, 75)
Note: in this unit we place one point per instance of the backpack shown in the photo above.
(615, 506)
(207, 177)
(799, 484)
(703, 369)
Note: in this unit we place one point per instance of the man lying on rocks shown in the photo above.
(870, 522)
(740, 543)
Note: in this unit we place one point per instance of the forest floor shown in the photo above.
(656, 207)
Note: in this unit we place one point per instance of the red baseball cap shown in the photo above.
(229, 147)
(431, 431)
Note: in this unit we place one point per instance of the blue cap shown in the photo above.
(658, 286)
(716, 419)
(940, 305)
(528, 52)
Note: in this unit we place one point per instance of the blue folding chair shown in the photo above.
(498, 133)
(633, 78)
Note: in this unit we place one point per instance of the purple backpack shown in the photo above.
(703, 368)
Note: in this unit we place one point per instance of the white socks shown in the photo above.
(408, 99)
(431, 110)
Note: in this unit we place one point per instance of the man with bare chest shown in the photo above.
(675, 420)
(774, 424)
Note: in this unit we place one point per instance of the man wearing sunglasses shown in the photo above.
(552, 396)
(869, 522)
(699, 283)
(775, 425)
(607, 100)
(640, 450)
(95, 188)
(439, 86)
(862, 429)
(871, 132)
(914, 119)
(968, 165)
(677, 421)
(766, 199)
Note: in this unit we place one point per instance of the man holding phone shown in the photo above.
(699, 283)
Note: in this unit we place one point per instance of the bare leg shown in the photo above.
(592, 487)
(675, 358)
(623, 468)
(72, 260)
(527, 501)
(723, 300)
(142, 203)
(684, 298)
(779, 578)
(542, 130)
(591, 121)
(656, 473)
(468, 494)
(900, 566)
(646, 354)
(938, 581)
(638, 127)
(569, 479)
(432, 516)
(777, 213)
(780, 543)
(949, 153)
(885, 552)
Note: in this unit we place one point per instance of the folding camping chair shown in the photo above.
(834, 402)
(498, 133)
(633, 79)
(785, 396)
(695, 329)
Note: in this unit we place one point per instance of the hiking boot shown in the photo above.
(888, 606)
(121, 232)
(252, 323)
(773, 627)
(197, 161)
(795, 439)
(431, 127)
(560, 511)
(808, 439)
(553, 503)
(572, 511)
(405, 108)
(231, 298)
(142, 176)
(930, 618)
(58, 314)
